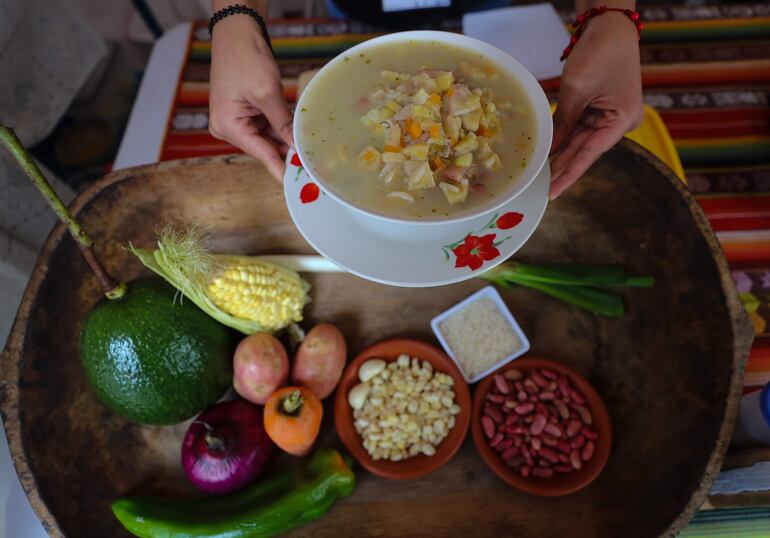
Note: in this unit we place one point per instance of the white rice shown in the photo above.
(479, 336)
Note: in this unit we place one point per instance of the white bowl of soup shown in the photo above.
(423, 128)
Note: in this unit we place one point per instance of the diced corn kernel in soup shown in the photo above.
(417, 130)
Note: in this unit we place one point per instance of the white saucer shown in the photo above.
(394, 254)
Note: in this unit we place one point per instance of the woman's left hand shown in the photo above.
(600, 98)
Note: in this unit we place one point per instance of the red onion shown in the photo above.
(226, 447)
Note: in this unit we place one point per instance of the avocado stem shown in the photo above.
(292, 402)
(112, 288)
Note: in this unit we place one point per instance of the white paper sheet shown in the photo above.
(535, 35)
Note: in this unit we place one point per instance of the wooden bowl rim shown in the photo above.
(558, 485)
(416, 466)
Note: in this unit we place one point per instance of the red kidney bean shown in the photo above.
(562, 408)
(526, 453)
(553, 429)
(510, 452)
(574, 459)
(577, 397)
(542, 422)
(494, 414)
(531, 387)
(542, 472)
(585, 414)
(538, 424)
(488, 425)
(504, 445)
(573, 428)
(501, 384)
(549, 454)
(548, 440)
(496, 398)
(539, 380)
(523, 409)
(578, 441)
(549, 374)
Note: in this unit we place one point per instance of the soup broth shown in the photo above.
(417, 130)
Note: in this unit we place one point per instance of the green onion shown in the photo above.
(579, 285)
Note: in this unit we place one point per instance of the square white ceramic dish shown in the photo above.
(491, 293)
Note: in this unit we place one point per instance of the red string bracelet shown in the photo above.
(594, 12)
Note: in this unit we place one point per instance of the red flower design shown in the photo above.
(295, 160)
(509, 220)
(309, 193)
(475, 250)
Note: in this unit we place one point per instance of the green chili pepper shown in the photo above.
(272, 506)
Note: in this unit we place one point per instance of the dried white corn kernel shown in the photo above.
(408, 408)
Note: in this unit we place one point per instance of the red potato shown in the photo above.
(260, 366)
(320, 360)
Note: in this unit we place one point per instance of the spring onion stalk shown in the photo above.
(600, 276)
(592, 299)
(584, 286)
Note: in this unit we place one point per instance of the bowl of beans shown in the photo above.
(402, 408)
(541, 427)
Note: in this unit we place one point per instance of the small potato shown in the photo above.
(320, 360)
(260, 366)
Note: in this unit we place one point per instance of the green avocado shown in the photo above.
(153, 356)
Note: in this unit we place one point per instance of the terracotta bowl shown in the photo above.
(416, 466)
(559, 484)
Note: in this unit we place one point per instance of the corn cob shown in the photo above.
(258, 291)
(242, 292)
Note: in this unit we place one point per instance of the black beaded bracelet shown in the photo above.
(244, 10)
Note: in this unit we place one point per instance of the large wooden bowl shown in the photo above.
(670, 371)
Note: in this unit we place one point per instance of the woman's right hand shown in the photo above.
(246, 103)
